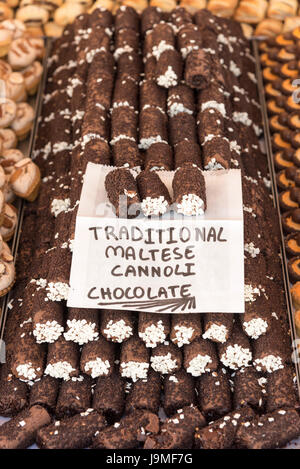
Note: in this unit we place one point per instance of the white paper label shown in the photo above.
(173, 264)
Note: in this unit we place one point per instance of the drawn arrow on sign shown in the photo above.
(160, 305)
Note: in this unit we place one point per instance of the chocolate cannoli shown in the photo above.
(187, 152)
(163, 39)
(281, 390)
(198, 69)
(71, 433)
(221, 434)
(82, 325)
(218, 326)
(153, 328)
(179, 391)
(257, 318)
(74, 396)
(144, 394)
(129, 432)
(62, 359)
(180, 99)
(200, 357)
(271, 351)
(97, 358)
(95, 151)
(180, 17)
(272, 430)
(177, 432)
(236, 352)
(134, 361)
(216, 153)
(166, 358)
(126, 153)
(151, 95)
(214, 396)
(20, 431)
(47, 319)
(248, 388)
(182, 127)
(168, 69)
(189, 40)
(155, 197)
(189, 190)
(130, 64)
(122, 192)
(185, 328)
(106, 402)
(126, 40)
(13, 393)
(126, 92)
(158, 157)
(116, 326)
(95, 122)
(127, 17)
(150, 17)
(44, 392)
(153, 127)
(124, 122)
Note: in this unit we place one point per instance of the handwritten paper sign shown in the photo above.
(171, 264)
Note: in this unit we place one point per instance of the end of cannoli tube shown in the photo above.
(198, 69)
(189, 190)
(154, 194)
(122, 192)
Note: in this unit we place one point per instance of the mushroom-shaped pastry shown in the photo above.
(26, 179)
(9, 224)
(7, 272)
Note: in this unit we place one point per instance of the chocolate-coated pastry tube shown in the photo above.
(177, 432)
(271, 430)
(129, 433)
(111, 404)
(155, 197)
(144, 394)
(28, 357)
(82, 325)
(153, 328)
(20, 431)
(166, 358)
(74, 396)
(96, 151)
(180, 16)
(163, 38)
(130, 64)
(127, 17)
(200, 357)
(101, 18)
(122, 192)
(198, 69)
(209, 123)
(182, 127)
(158, 157)
(272, 350)
(124, 122)
(153, 127)
(47, 319)
(95, 121)
(44, 392)
(221, 434)
(126, 91)
(187, 152)
(62, 359)
(216, 154)
(248, 388)
(71, 433)
(152, 95)
(134, 361)
(116, 326)
(189, 40)
(126, 153)
(257, 318)
(179, 391)
(218, 326)
(281, 389)
(126, 40)
(180, 99)
(149, 18)
(97, 358)
(13, 393)
(185, 328)
(236, 352)
(169, 68)
(214, 396)
(189, 190)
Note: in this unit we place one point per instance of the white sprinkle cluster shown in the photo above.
(234, 68)
(236, 357)
(154, 206)
(162, 47)
(220, 107)
(60, 205)
(163, 364)
(251, 249)
(57, 291)
(242, 117)
(177, 108)
(134, 370)
(81, 331)
(255, 327)
(48, 331)
(198, 365)
(250, 293)
(191, 204)
(216, 332)
(26, 372)
(269, 363)
(213, 165)
(183, 335)
(168, 79)
(146, 143)
(117, 331)
(97, 367)
(153, 334)
(59, 370)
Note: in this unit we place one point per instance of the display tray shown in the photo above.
(27, 148)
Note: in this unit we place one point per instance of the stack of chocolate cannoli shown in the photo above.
(113, 379)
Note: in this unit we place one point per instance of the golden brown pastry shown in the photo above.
(16, 27)
(52, 29)
(268, 27)
(32, 15)
(26, 179)
(9, 224)
(14, 87)
(5, 12)
(164, 5)
(224, 8)
(5, 41)
(32, 76)
(291, 23)
(67, 13)
(107, 4)
(247, 30)
(193, 5)
(21, 53)
(251, 11)
(7, 272)
(295, 292)
(23, 121)
(9, 158)
(138, 5)
(279, 9)
(8, 112)
(8, 138)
